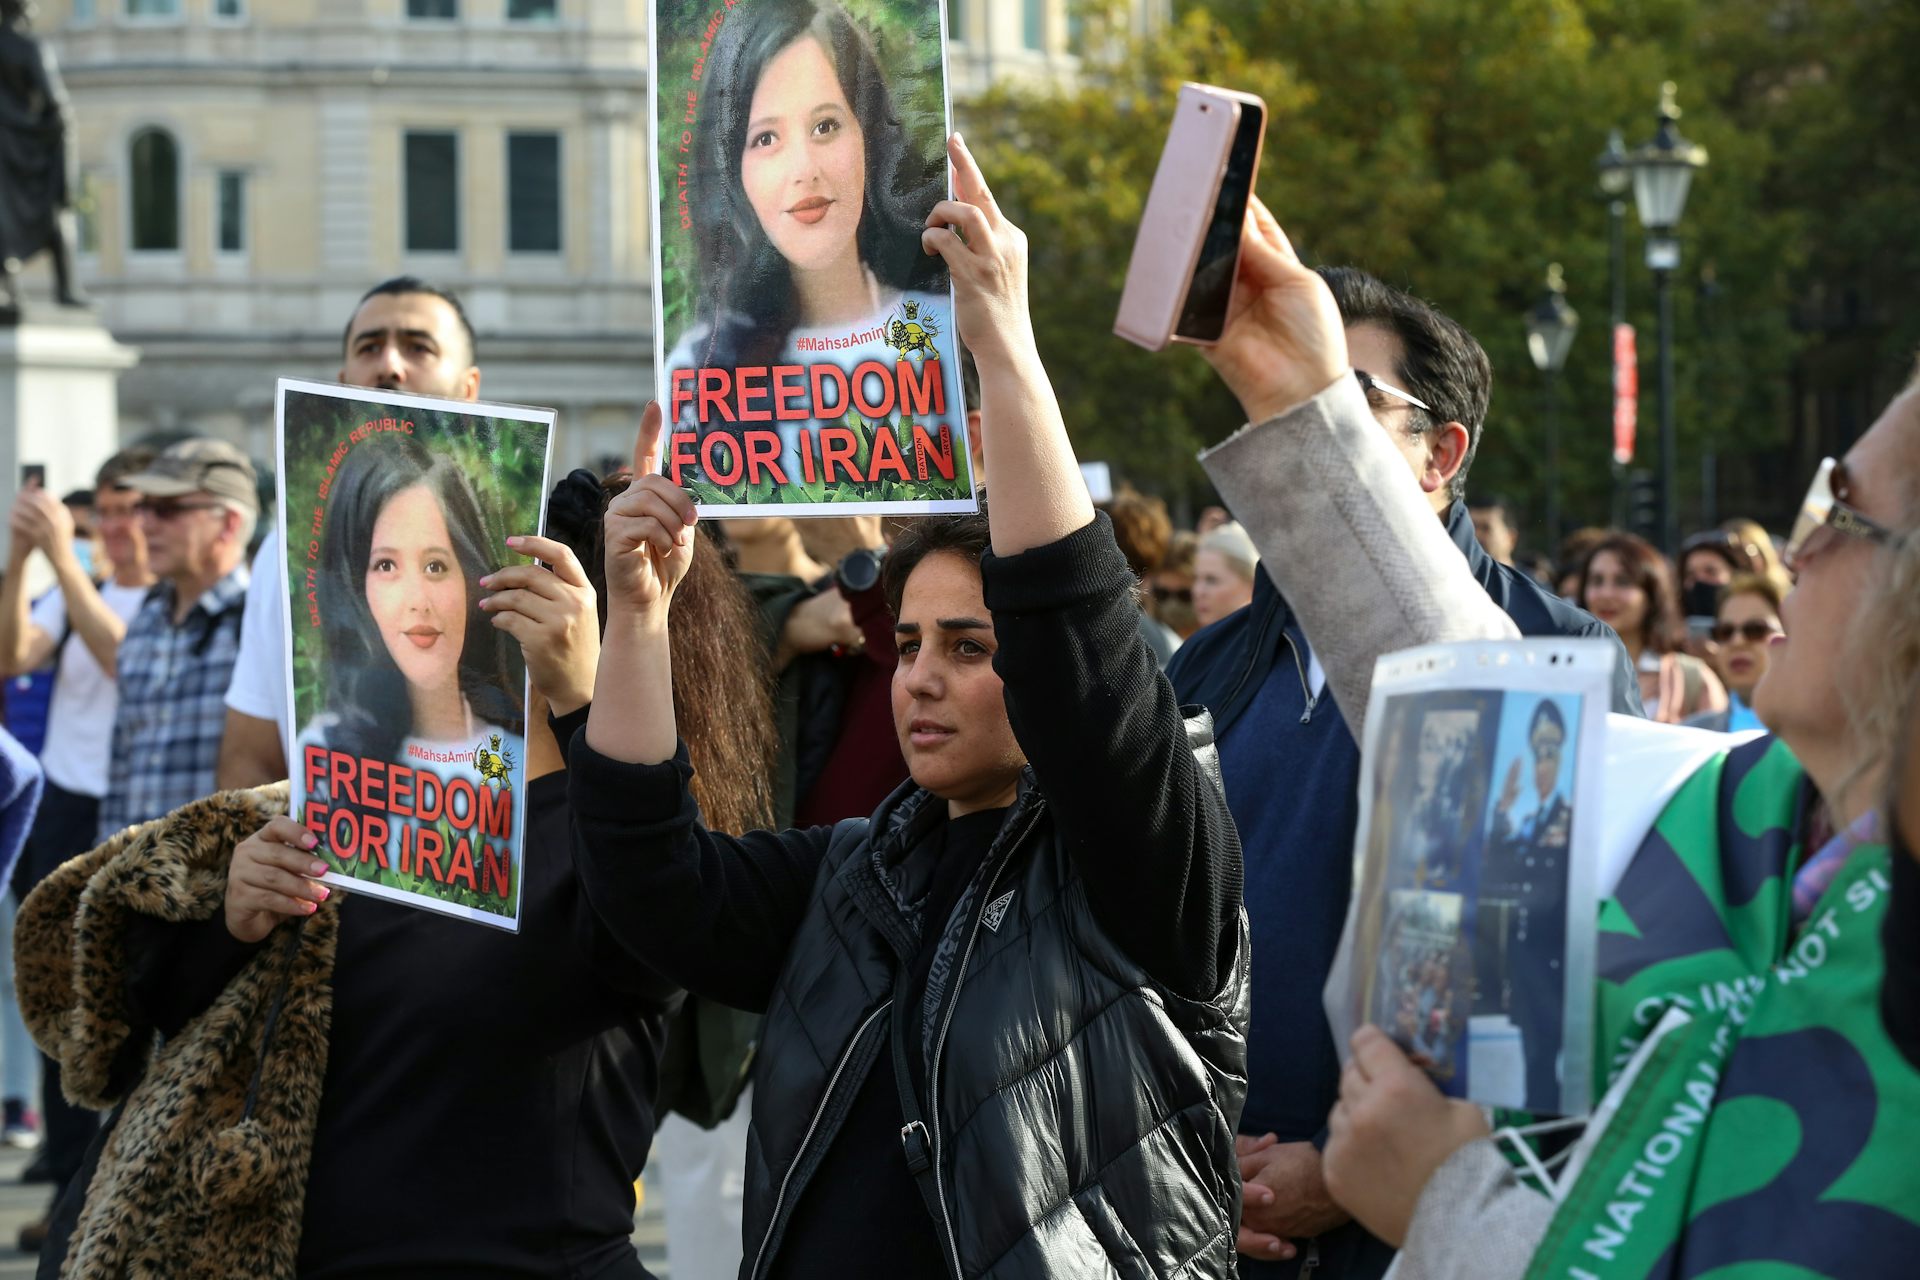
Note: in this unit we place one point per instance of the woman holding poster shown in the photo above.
(796, 293)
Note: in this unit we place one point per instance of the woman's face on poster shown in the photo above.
(415, 589)
(805, 163)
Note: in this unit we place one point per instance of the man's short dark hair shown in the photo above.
(1492, 502)
(128, 462)
(965, 536)
(414, 284)
(1440, 362)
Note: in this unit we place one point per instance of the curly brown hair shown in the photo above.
(1142, 528)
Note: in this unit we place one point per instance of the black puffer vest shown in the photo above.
(1084, 1116)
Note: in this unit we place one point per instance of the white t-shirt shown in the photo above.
(85, 697)
(259, 684)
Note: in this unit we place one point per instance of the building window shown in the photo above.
(153, 8)
(532, 10)
(434, 9)
(1033, 23)
(533, 192)
(230, 231)
(82, 12)
(956, 20)
(154, 166)
(433, 193)
(229, 10)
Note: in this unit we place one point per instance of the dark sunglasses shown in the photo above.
(1753, 632)
(170, 508)
(1183, 594)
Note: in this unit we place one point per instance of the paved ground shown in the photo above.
(20, 1205)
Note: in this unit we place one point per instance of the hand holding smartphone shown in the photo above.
(1186, 256)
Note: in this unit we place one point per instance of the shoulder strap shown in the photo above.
(915, 1141)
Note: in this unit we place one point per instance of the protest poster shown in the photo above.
(408, 705)
(805, 348)
(1471, 932)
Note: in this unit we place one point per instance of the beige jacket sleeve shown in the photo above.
(1349, 539)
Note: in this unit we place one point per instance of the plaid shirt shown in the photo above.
(173, 689)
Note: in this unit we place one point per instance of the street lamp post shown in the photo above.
(1550, 327)
(1662, 173)
(1616, 180)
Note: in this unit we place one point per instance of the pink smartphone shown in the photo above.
(1187, 254)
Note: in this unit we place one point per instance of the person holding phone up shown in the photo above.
(1006, 1015)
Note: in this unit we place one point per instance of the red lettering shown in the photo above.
(460, 815)
(679, 459)
(886, 454)
(340, 770)
(750, 384)
(763, 450)
(713, 395)
(806, 456)
(837, 444)
(496, 812)
(942, 454)
(821, 409)
(313, 762)
(400, 790)
(784, 394)
(872, 409)
(709, 447)
(428, 809)
(315, 818)
(373, 784)
(682, 392)
(496, 874)
(374, 831)
(427, 848)
(460, 868)
(928, 395)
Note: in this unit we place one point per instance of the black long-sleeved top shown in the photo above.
(1108, 751)
(488, 1099)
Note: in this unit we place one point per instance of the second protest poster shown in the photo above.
(408, 706)
(805, 344)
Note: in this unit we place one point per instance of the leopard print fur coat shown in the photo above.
(192, 1182)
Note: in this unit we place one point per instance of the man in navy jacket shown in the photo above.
(1292, 769)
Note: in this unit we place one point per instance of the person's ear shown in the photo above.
(470, 383)
(1448, 445)
(977, 447)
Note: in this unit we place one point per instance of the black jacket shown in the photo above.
(1084, 1021)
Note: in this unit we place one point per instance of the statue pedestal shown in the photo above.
(59, 401)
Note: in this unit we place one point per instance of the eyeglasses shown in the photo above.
(1183, 594)
(170, 508)
(1826, 507)
(1753, 631)
(1370, 383)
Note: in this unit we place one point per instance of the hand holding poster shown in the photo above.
(806, 348)
(408, 704)
(1471, 934)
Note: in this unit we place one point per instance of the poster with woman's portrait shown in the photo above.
(1471, 933)
(805, 344)
(408, 705)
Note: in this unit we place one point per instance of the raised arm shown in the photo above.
(1317, 484)
(1148, 830)
(712, 912)
(24, 646)
(1037, 495)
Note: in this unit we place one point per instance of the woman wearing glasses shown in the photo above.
(1757, 923)
(1743, 630)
